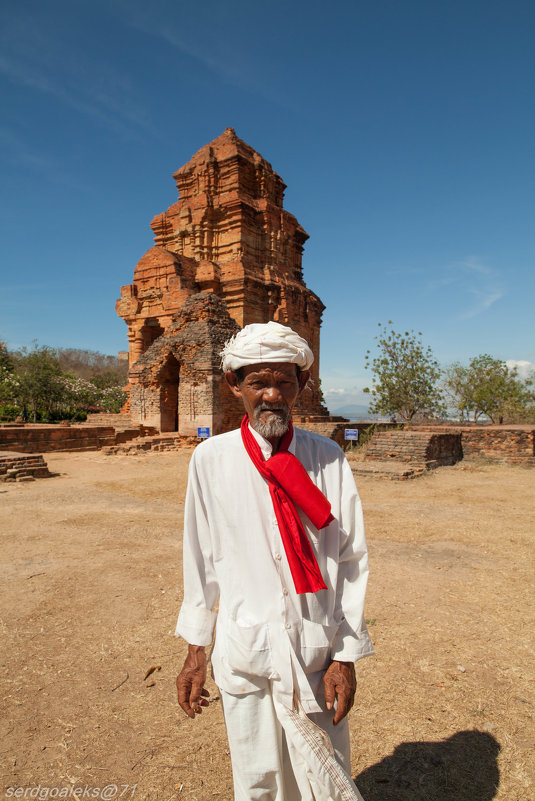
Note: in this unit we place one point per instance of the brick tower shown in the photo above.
(229, 235)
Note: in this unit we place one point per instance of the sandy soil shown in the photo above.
(92, 587)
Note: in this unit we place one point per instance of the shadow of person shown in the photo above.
(462, 768)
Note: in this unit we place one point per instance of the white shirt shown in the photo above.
(233, 553)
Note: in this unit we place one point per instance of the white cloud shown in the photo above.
(338, 396)
(483, 299)
(339, 392)
(524, 367)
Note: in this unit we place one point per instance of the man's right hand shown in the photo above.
(190, 681)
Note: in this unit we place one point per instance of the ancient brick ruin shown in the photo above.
(45, 438)
(177, 383)
(407, 453)
(509, 444)
(226, 254)
(431, 449)
(22, 467)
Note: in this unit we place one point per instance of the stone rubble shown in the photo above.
(22, 467)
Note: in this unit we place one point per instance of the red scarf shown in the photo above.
(291, 486)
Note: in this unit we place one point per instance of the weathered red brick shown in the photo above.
(228, 235)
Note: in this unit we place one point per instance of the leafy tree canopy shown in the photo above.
(8, 382)
(39, 375)
(405, 375)
(49, 384)
(6, 362)
(487, 387)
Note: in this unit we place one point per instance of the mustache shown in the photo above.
(271, 407)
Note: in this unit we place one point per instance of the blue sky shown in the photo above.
(404, 131)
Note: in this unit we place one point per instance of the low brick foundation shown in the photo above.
(53, 438)
(426, 448)
(429, 445)
(161, 442)
(109, 419)
(512, 447)
(507, 444)
(21, 467)
(48, 438)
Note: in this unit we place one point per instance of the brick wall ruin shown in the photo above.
(30, 438)
(177, 383)
(512, 444)
(445, 444)
(432, 449)
(228, 236)
(48, 438)
(22, 467)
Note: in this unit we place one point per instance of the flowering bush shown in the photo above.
(83, 395)
(112, 399)
(33, 384)
(9, 390)
(78, 393)
(9, 386)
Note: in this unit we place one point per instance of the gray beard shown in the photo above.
(277, 424)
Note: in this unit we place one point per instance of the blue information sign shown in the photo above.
(351, 433)
(203, 432)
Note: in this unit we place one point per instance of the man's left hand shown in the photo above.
(340, 682)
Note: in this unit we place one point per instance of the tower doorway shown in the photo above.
(169, 380)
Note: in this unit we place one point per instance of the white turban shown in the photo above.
(266, 342)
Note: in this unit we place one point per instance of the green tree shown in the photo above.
(487, 387)
(41, 387)
(405, 375)
(8, 381)
(6, 362)
(112, 398)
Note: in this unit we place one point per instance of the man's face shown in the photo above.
(268, 392)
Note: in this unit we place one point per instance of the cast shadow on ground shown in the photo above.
(462, 768)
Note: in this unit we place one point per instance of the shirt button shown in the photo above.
(278, 556)
(285, 591)
(288, 626)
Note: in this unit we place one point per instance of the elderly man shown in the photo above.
(273, 532)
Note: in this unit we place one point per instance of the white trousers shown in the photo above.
(279, 755)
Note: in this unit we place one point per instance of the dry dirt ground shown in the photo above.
(92, 587)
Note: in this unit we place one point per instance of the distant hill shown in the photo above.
(353, 411)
